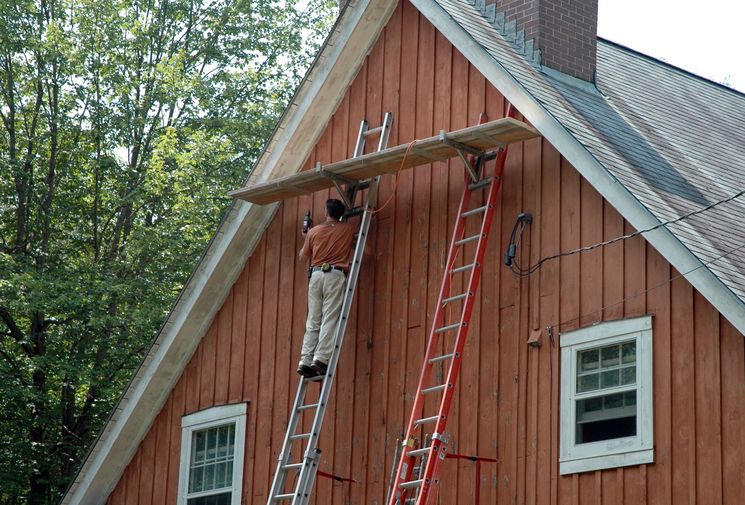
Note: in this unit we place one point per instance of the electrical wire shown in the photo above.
(644, 292)
(395, 183)
(521, 272)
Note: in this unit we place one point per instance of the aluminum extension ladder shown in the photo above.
(306, 468)
(418, 468)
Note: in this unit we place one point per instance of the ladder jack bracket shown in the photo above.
(462, 149)
(338, 180)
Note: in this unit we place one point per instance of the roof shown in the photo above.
(655, 141)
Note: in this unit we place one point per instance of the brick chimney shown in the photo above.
(565, 32)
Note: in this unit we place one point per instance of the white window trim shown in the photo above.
(208, 418)
(639, 449)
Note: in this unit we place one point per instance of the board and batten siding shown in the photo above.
(507, 403)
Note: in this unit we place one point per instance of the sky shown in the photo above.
(706, 38)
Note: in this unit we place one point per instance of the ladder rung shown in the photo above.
(309, 406)
(373, 131)
(468, 239)
(448, 328)
(292, 466)
(281, 497)
(418, 452)
(463, 268)
(410, 484)
(298, 437)
(454, 298)
(426, 420)
(434, 389)
(441, 358)
(475, 211)
(482, 183)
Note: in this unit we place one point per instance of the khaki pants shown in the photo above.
(325, 297)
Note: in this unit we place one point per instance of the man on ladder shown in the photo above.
(329, 248)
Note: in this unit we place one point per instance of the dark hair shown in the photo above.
(335, 208)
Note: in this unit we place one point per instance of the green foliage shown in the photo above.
(124, 124)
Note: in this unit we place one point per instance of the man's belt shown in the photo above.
(327, 267)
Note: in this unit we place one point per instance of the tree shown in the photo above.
(124, 124)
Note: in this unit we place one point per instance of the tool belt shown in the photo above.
(325, 268)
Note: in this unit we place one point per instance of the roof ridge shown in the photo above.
(671, 66)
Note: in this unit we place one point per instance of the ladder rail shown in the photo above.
(436, 446)
(308, 468)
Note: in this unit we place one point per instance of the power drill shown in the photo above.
(307, 222)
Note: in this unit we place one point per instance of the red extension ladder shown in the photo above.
(417, 489)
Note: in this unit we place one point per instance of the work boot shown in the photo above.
(319, 367)
(306, 371)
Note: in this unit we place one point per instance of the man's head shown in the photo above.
(334, 208)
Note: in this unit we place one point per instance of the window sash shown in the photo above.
(615, 452)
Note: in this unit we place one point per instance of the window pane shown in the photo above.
(212, 458)
(215, 499)
(198, 441)
(609, 379)
(587, 383)
(628, 375)
(196, 479)
(606, 417)
(609, 356)
(628, 352)
(588, 360)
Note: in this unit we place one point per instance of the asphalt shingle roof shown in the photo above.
(674, 140)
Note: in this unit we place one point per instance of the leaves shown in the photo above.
(124, 124)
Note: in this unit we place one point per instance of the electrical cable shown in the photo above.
(520, 272)
(661, 284)
(395, 183)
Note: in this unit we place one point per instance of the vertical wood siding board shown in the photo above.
(374, 425)
(207, 359)
(546, 228)
(391, 103)
(254, 343)
(634, 273)
(192, 373)
(634, 484)
(569, 291)
(147, 450)
(385, 240)
(405, 202)
(488, 409)
(238, 339)
(613, 265)
(133, 480)
(683, 410)
(270, 413)
(532, 198)
(658, 303)
(361, 336)
(174, 446)
(635, 284)
(163, 459)
(733, 413)
(285, 377)
(451, 488)
(523, 298)
(708, 401)
(591, 262)
(163, 439)
(421, 177)
(348, 374)
(223, 351)
(609, 488)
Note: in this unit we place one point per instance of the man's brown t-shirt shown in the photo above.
(330, 242)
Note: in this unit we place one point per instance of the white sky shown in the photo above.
(706, 38)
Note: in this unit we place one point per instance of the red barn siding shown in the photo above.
(508, 395)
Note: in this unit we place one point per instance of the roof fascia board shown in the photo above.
(234, 242)
(679, 256)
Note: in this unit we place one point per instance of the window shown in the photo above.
(606, 396)
(212, 443)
